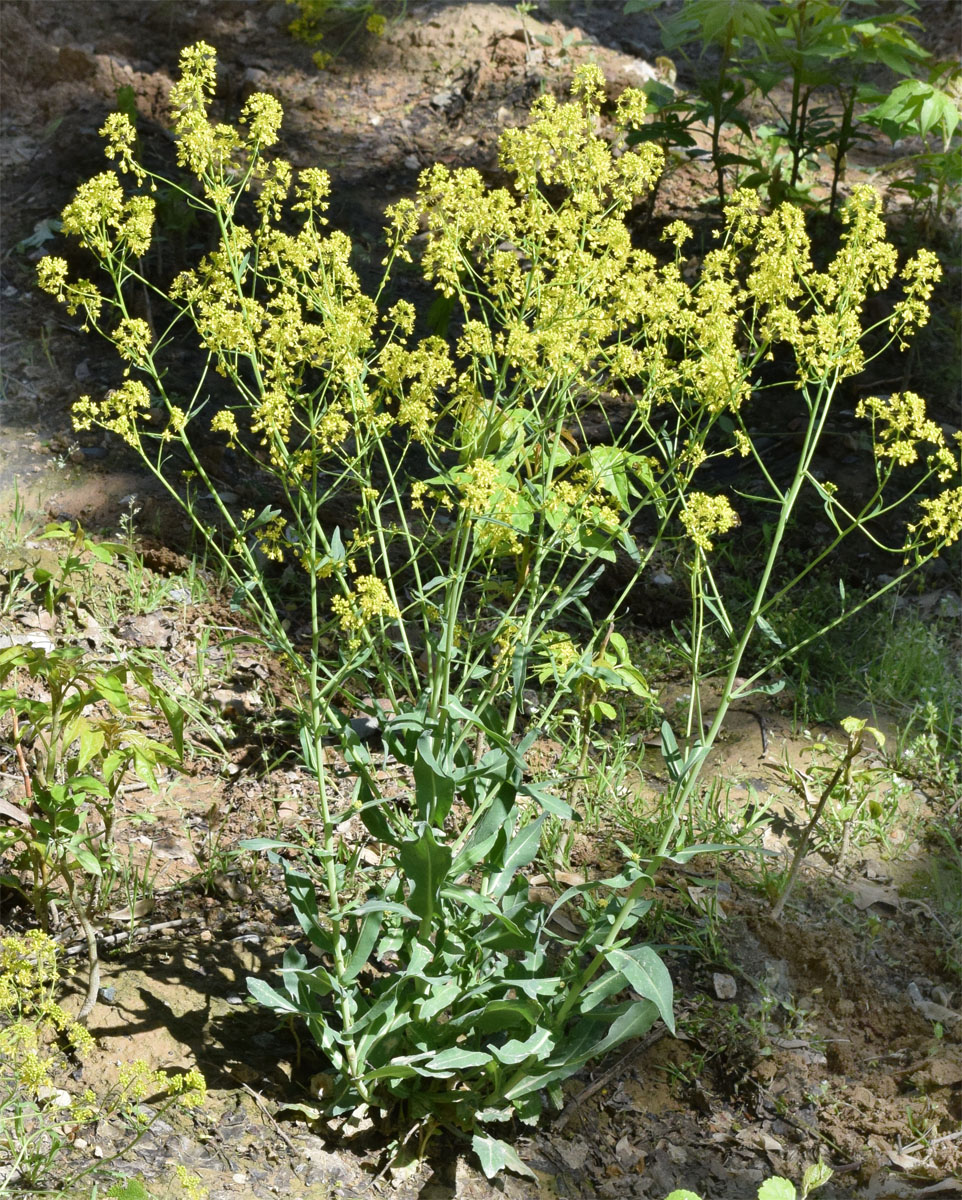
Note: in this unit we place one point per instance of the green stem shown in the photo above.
(854, 745)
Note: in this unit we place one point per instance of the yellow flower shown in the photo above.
(369, 602)
(900, 425)
(225, 422)
(121, 139)
(742, 443)
(132, 337)
(52, 275)
(33, 1072)
(941, 518)
(264, 113)
(705, 516)
(478, 486)
(119, 411)
(678, 233)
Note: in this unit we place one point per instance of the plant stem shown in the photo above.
(802, 846)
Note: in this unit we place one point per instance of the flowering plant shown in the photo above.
(38, 1120)
(449, 505)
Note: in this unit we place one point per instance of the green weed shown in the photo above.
(75, 745)
(776, 1187)
(39, 1120)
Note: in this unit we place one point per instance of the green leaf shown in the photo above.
(761, 689)
(541, 1042)
(426, 865)
(174, 716)
(671, 753)
(372, 813)
(363, 945)
(303, 898)
(84, 785)
(381, 906)
(442, 994)
(769, 632)
(609, 468)
(484, 834)
(91, 743)
(635, 1021)
(434, 785)
(264, 994)
(88, 860)
(519, 853)
(602, 988)
(129, 1189)
(690, 852)
(456, 1059)
(43, 231)
(397, 1069)
(816, 1176)
(494, 1155)
(507, 1014)
(495, 1114)
(111, 688)
(683, 1194)
(545, 798)
(106, 552)
(777, 1188)
(649, 977)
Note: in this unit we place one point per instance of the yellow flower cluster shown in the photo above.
(563, 277)
(901, 427)
(558, 311)
(369, 602)
(941, 517)
(490, 497)
(121, 138)
(272, 539)
(919, 275)
(415, 377)
(704, 517)
(578, 502)
(264, 115)
(188, 100)
(504, 642)
(138, 1081)
(28, 978)
(560, 652)
(132, 337)
(119, 411)
(225, 422)
(105, 222)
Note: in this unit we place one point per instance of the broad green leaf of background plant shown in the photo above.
(777, 1188)
(916, 107)
(494, 1155)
